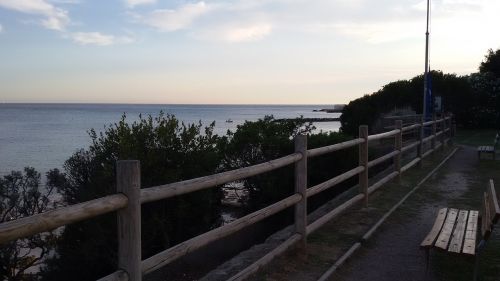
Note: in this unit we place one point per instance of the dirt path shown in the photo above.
(393, 252)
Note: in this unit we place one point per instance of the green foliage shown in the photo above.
(21, 196)
(261, 141)
(491, 64)
(268, 139)
(169, 151)
(473, 99)
(455, 91)
(485, 111)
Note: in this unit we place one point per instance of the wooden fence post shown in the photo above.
(443, 128)
(397, 146)
(433, 141)
(453, 128)
(363, 161)
(301, 188)
(420, 146)
(128, 182)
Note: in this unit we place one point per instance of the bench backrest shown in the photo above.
(490, 211)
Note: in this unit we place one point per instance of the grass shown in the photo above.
(475, 137)
(465, 180)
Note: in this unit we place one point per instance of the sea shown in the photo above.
(43, 136)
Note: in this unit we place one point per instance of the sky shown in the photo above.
(231, 51)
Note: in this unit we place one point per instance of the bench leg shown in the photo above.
(476, 265)
(427, 262)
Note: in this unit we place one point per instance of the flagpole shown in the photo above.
(425, 109)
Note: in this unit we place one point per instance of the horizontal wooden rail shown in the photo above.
(411, 127)
(163, 258)
(174, 189)
(383, 135)
(119, 275)
(242, 275)
(382, 159)
(119, 202)
(428, 152)
(428, 138)
(410, 146)
(409, 165)
(334, 181)
(334, 213)
(331, 148)
(53, 219)
(381, 182)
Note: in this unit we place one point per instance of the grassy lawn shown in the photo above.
(475, 137)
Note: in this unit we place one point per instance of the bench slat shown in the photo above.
(494, 207)
(444, 236)
(486, 217)
(459, 232)
(438, 224)
(471, 233)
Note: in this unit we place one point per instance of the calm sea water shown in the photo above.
(45, 135)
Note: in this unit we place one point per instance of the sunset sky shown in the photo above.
(231, 51)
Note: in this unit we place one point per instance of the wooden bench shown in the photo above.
(488, 149)
(456, 231)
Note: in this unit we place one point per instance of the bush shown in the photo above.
(169, 151)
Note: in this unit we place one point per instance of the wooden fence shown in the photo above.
(127, 202)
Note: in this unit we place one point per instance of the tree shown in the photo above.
(491, 64)
(169, 151)
(21, 196)
(259, 141)
(456, 93)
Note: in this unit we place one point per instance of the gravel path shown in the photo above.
(393, 253)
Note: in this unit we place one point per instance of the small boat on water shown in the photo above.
(229, 121)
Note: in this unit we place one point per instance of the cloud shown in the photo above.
(172, 20)
(99, 39)
(237, 33)
(133, 3)
(55, 18)
(1, 28)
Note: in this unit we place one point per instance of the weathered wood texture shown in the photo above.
(363, 162)
(398, 145)
(486, 217)
(163, 258)
(119, 275)
(420, 147)
(174, 189)
(471, 233)
(300, 188)
(128, 182)
(434, 127)
(444, 237)
(457, 238)
(436, 228)
(411, 127)
(492, 195)
(59, 217)
(384, 158)
(410, 164)
(334, 213)
(335, 147)
(242, 275)
(383, 135)
(334, 181)
(381, 182)
(409, 146)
